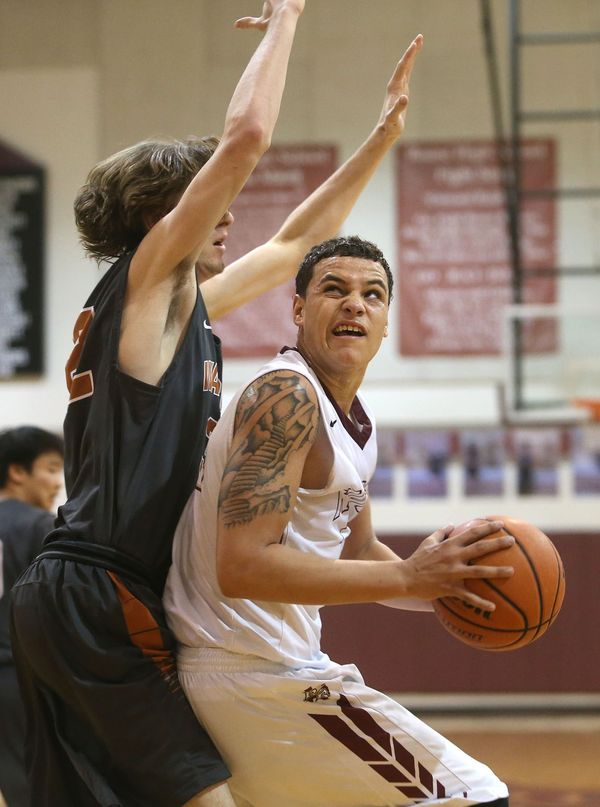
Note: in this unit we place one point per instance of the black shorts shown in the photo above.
(14, 783)
(108, 722)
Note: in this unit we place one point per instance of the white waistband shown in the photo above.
(199, 659)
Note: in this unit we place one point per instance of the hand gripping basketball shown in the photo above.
(527, 603)
(443, 562)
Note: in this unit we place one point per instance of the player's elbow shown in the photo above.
(247, 140)
(232, 576)
(230, 586)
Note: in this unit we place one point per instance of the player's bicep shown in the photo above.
(276, 423)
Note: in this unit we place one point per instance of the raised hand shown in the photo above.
(440, 564)
(393, 114)
(270, 7)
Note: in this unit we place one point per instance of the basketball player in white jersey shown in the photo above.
(279, 525)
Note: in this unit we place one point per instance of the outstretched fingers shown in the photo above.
(411, 54)
(439, 536)
(445, 561)
(461, 592)
(397, 91)
(484, 546)
(398, 106)
(470, 552)
(442, 533)
(260, 23)
(270, 8)
(405, 66)
(476, 530)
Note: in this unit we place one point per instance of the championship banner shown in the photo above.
(285, 176)
(21, 264)
(453, 246)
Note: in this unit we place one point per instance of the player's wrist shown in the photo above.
(404, 582)
(293, 8)
(379, 142)
(387, 133)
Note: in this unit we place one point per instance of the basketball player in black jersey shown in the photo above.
(109, 723)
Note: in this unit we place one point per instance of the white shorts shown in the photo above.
(314, 738)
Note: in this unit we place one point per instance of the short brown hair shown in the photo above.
(140, 183)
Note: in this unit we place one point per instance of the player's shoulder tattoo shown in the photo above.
(277, 416)
(269, 390)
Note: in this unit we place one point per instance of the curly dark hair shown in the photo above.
(134, 186)
(347, 246)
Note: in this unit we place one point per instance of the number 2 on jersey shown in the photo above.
(79, 384)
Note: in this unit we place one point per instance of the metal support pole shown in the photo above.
(514, 197)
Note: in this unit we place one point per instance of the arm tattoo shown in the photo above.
(278, 418)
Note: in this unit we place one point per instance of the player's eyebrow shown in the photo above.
(377, 281)
(331, 277)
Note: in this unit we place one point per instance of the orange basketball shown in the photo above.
(526, 603)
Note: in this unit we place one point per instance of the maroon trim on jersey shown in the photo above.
(359, 435)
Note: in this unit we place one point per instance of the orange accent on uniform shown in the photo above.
(143, 629)
(85, 386)
(212, 382)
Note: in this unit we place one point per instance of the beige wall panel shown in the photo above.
(53, 119)
(48, 33)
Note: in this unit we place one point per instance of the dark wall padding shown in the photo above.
(404, 651)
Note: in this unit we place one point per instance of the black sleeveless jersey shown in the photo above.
(133, 450)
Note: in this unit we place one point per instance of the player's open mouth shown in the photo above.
(348, 330)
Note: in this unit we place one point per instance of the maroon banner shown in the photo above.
(285, 176)
(454, 250)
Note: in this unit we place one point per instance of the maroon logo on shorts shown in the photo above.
(313, 694)
(385, 754)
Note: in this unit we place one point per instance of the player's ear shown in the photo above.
(385, 330)
(298, 310)
(16, 473)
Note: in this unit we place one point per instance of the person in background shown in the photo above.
(31, 477)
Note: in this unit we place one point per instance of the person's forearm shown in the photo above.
(374, 550)
(252, 564)
(381, 552)
(407, 604)
(257, 97)
(278, 573)
(323, 213)
(250, 119)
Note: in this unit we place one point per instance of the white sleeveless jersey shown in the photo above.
(198, 613)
